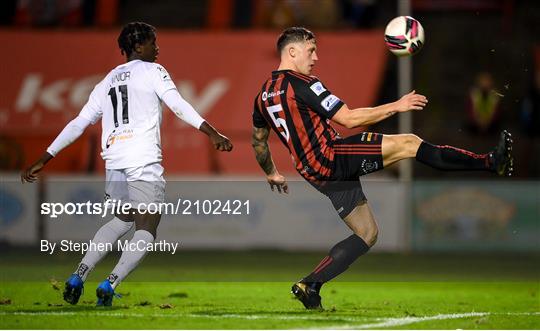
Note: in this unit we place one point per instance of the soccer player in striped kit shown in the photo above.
(299, 108)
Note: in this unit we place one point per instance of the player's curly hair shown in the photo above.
(292, 35)
(134, 33)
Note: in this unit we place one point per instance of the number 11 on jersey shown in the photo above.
(124, 94)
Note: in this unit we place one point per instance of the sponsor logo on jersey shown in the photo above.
(266, 95)
(119, 136)
(317, 88)
(110, 139)
(329, 102)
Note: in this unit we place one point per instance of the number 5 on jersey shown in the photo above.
(124, 94)
(278, 122)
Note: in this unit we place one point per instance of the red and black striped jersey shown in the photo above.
(299, 108)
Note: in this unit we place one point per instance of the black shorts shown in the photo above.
(357, 155)
(354, 156)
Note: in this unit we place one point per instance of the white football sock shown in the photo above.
(108, 233)
(131, 257)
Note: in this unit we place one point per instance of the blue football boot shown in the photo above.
(73, 290)
(105, 294)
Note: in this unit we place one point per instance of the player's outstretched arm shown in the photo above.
(352, 118)
(69, 134)
(29, 175)
(183, 110)
(220, 142)
(259, 141)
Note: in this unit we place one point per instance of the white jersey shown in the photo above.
(128, 100)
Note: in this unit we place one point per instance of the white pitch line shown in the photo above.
(392, 322)
(257, 317)
(383, 322)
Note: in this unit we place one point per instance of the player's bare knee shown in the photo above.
(398, 147)
(411, 142)
(372, 240)
(368, 231)
(370, 236)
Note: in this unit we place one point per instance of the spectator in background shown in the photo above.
(483, 105)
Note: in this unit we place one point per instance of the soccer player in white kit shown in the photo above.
(128, 101)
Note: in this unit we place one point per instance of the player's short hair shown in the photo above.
(134, 33)
(292, 35)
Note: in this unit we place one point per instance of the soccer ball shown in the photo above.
(404, 36)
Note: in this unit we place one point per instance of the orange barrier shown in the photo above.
(51, 73)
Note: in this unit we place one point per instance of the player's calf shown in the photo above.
(362, 222)
(446, 157)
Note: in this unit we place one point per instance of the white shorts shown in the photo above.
(137, 185)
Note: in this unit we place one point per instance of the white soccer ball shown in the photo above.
(404, 36)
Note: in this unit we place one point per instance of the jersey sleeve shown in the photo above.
(160, 79)
(182, 108)
(315, 95)
(93, 110)
(258, 119)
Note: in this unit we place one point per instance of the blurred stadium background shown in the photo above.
(480, 69)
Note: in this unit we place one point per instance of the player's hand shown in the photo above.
(411, 101)
(278, 181)
(221, 143)
(30, 174)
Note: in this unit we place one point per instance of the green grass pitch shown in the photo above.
(250, 290)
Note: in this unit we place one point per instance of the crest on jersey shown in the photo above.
(317, 88)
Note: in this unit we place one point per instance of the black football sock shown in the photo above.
(451, 158)
(340, 257)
